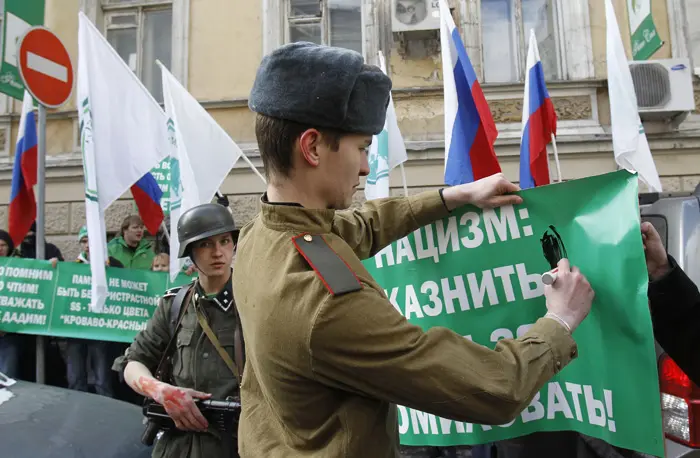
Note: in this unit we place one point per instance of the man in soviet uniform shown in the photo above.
(328, 357)
(207, 235)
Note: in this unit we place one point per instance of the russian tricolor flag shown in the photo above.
(470, 131)
(147, 195)
(22, 211)
(539, 123)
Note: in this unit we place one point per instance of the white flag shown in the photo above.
(202, 155)
(122, 135)
(386, 152)
(629, 140)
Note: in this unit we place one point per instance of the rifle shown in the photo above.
(223, 415)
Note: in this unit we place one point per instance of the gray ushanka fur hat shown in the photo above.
(321, 86)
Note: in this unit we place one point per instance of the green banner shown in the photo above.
(645, 37)
(19, 15)
(479, 274)
(37, 299)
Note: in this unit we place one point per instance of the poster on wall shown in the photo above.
(19, 15)
(645, 37)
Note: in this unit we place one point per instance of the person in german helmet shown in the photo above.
(192, 347)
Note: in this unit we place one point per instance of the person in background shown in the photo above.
(6, 244)
(674, 300)
(130, 247)
(27, 249)
(10, 344)
(161, 263)
(84, 353)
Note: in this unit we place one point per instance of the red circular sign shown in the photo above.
(45, 67)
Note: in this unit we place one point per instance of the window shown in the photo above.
(506, 26)
(331, 22)
(693, 16)
(141, 32)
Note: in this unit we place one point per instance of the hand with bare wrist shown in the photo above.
(489, 192)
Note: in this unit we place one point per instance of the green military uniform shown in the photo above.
(140, 257)
(328, 356)
(195, 362)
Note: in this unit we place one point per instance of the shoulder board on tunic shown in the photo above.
(331, 269)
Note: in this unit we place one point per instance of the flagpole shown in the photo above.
(40, 244)
(556, 157)
(245, 158)
(165, 230)
(403, 176)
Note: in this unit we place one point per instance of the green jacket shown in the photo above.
(139, 258)
(195, 363)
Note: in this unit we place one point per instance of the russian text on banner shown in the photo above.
(37, 299)
(478, 273)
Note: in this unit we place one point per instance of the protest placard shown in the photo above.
(36, 298)
(479, 274)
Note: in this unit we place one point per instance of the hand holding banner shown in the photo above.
(479, 274)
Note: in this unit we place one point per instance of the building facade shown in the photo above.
(215, 46)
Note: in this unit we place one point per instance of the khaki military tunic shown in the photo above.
(324, 370)
(195, 363)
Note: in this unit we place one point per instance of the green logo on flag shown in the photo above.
(174, 180)
(85, 142)
(379, 159)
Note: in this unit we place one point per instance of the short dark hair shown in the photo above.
(276, 138)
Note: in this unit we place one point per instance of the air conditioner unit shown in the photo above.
(408, 15)
(664, 89)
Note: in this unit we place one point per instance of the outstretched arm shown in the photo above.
(382, 221)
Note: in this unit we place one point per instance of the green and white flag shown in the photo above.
(386, 152)
(201, 156)
(122, 136)
(645, 37)
(18, 17)
(630, 144)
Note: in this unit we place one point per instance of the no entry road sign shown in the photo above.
(45, 67)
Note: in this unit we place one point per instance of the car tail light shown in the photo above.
(680, 404)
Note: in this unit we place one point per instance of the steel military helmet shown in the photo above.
(201, 222)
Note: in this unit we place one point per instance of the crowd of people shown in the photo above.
(82, 364)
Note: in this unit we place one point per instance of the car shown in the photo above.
(676, 216)
(50, 422)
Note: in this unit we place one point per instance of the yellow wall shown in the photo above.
(61, 17)
(225, 48)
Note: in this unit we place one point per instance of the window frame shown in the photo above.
(276, 25)
(324, 19)
(95, 10)
(522, 38)
(138, 8)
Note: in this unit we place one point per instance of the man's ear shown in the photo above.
(308, 146)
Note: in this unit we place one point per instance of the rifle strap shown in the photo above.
(174, 322)
(223, 353)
